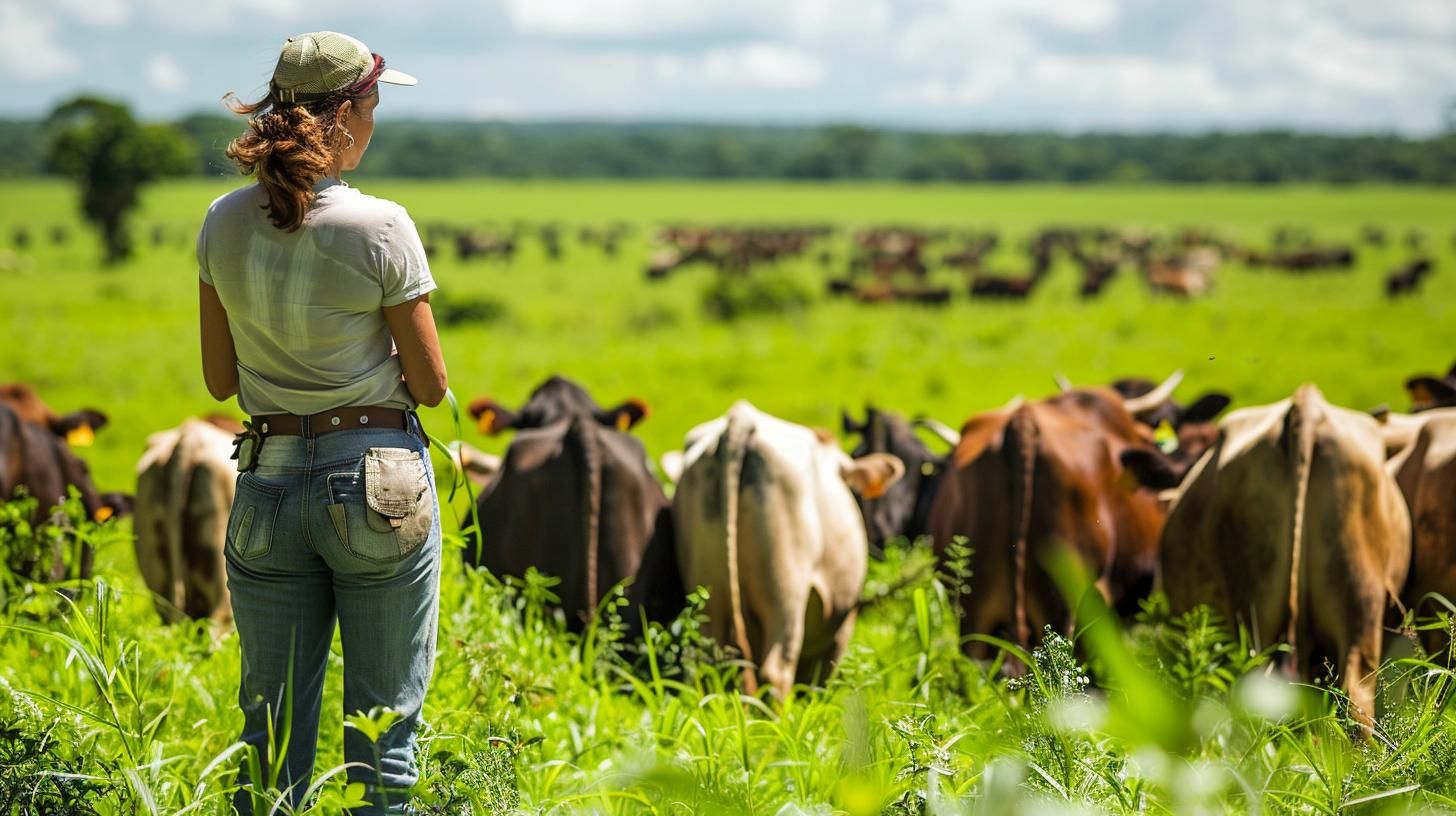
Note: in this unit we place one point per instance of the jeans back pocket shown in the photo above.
(386, 512)
(252, 518)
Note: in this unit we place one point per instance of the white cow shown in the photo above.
(185, 485)
(766, 521)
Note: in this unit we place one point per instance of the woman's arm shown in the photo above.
(219, 358)
(413, 326)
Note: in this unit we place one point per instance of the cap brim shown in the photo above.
(394, 77)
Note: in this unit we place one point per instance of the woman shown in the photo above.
(314, 302)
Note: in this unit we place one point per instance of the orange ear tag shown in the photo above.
(874, 489)
(81, 436)
(103, 513)
(486, 424)
(624, 421)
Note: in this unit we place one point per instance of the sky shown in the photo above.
(1069, 65)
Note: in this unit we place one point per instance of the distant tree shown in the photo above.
(111, 156)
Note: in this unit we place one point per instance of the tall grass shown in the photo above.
(105, 710)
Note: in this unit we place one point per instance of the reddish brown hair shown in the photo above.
(289, 148)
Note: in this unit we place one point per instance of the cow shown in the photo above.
(78, 427)
(36, 460)
(904, 509)
(1406, 278)
(1031, 476)
(1181, 432)
(1425, 471)
(574, 498)
(1428, 391)
(767, 522)
(1290, 525)
(185, 485)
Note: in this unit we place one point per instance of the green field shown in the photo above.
(124, 340)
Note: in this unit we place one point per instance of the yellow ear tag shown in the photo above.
(1165, 437)
(81, 436)
(103, 513)
(624, 421)
(486, 424)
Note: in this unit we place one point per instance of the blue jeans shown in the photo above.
(341, 526)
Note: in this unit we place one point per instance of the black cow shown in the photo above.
(574, 498)
(1406, 278)
(904, 509)
(1428, 391)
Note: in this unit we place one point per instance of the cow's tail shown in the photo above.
(591, 455)
(1023, 429)
(1299, 430)
(734, 449)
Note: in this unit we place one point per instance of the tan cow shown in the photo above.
(765, 519)
(1291, 526)
(185, 485)
(1426, 473)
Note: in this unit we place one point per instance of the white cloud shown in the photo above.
(28, 45)
(99, 13)
(609, 19)
(165, 74)
(765, 65)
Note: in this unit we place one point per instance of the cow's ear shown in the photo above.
(79, 428)
(848, 423)
(1429, 392)
(1206, 407)
(625, 416)
(490, 417)
(872, 475)
(1151, 468)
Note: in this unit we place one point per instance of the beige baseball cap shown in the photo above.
(320, 64)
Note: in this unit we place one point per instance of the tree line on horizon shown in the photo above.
(540, 150)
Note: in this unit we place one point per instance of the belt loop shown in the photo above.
(303, 427)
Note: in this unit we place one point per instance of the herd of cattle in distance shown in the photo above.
(1308, 523)
(893, 263)
(888, 264)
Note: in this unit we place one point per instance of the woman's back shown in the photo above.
(304, 306)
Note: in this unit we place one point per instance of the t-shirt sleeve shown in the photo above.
(202, 271)
(406, 271)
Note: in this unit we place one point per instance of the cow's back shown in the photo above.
(554, 484)
(1426, 474)
(185, 487)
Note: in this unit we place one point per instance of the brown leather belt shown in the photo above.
(339, 419)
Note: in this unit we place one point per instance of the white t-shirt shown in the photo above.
(305, 307)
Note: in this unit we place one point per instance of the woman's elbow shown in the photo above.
(222, 391)
(221, 387)
(429, 394)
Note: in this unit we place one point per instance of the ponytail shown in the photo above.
(289, 148)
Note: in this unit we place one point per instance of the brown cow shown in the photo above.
(185, 484)
(574, 498)
(33, 458)
(1291, 527)
(766, 522)
(77, 427)
(1426, 474)
(1028, 477)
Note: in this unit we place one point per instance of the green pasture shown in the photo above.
(125, 339)
(524, 717)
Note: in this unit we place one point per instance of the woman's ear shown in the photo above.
(343, 113)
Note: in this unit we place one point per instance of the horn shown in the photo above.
(941, 431)
(1063, 384)
(1155, 397)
